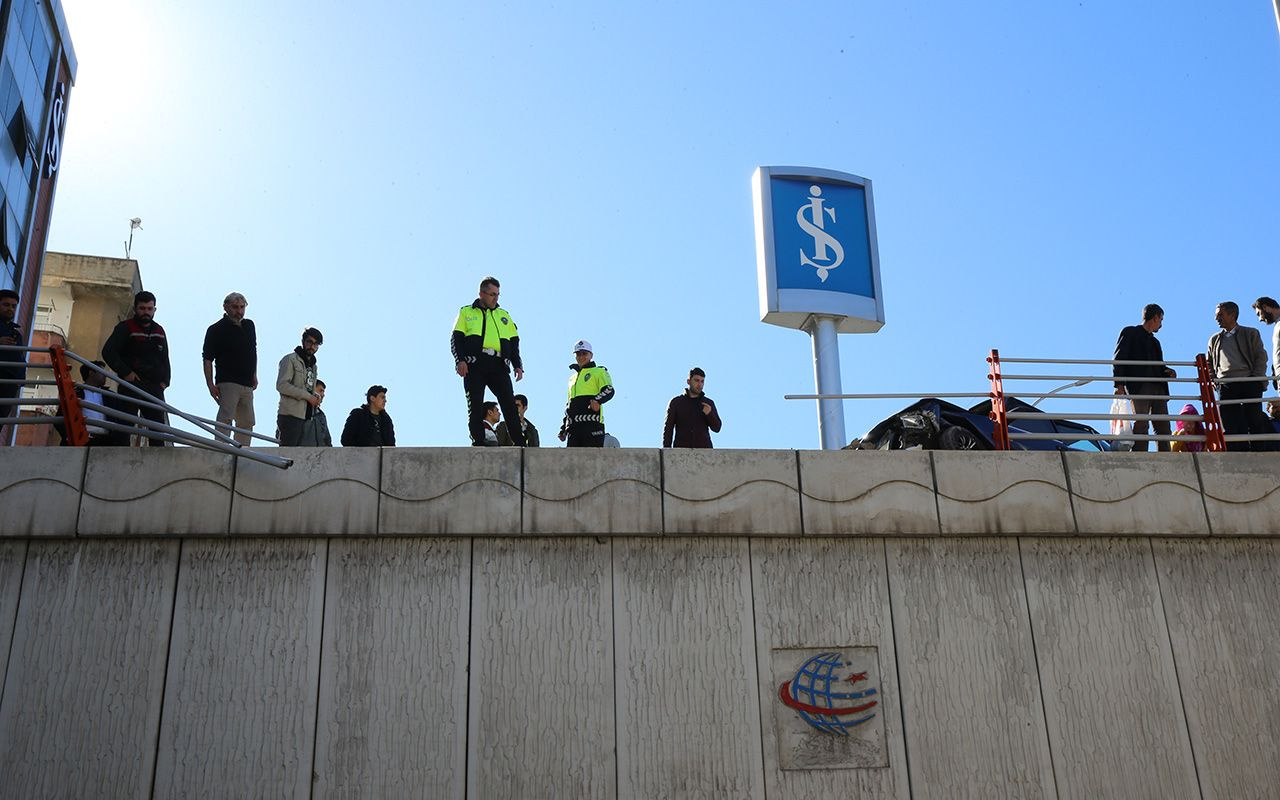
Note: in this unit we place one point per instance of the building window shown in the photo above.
(21, 134)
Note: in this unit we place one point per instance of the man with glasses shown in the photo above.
(486, 346)
(296, 383)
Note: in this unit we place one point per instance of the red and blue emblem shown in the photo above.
(823, 693)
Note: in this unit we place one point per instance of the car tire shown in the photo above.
(958, 438)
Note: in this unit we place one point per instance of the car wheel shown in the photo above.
(958, 438)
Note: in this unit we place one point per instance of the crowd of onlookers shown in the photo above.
(1238, 365)
(485, 344)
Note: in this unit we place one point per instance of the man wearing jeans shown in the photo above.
(1139, 343)
(231, 344)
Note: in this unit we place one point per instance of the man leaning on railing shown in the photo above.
(12, 362)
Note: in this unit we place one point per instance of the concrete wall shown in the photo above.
(498, 623)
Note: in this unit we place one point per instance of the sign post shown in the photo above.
(818, 268)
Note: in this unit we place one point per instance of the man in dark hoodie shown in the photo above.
(370, 424)
(138, 352)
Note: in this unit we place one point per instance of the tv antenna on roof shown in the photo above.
(135, 224)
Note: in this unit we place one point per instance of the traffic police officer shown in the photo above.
(484, 342)
(589, 387)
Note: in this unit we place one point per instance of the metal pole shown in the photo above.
(826, 374)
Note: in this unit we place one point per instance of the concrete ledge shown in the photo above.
(731, 492)
(868, 493)
(450, 490)
(1019, 492)
(40, 492)
(592, 491)
(1241, 492)
(1133, 493)
(155, 491)
(327, 492)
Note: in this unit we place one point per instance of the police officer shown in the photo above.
(484, 342)
(589, 387)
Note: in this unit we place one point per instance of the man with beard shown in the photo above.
(296, 383)
(1268, 311)
(484, 342)
(691, 416)
(231, 344)
(138, 351)
(12, 362)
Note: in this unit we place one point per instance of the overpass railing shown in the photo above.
(110, 416)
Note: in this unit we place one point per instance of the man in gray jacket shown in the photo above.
(1238, 352)
(296, 383)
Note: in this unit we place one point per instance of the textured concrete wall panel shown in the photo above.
(1123, 494)
(156, 491)
(971, 704)
(828, 593)
(541, 696)
(40, 491)
(1241, 493)
(1220, 598)
(329, 491)
(240, 700)
(605, 491)
(81, 707)
(1003, 493)
(730, 492)
(1106, 670)
(688, 705)
(393, 683)
(862, 492)
(450, 490)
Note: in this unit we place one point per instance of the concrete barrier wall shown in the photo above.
(436, 623)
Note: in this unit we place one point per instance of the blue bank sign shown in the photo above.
(816, 248)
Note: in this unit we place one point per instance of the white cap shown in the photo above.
(583, 346)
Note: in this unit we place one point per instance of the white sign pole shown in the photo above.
(826, 375)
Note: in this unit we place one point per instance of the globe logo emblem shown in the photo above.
(823, 693)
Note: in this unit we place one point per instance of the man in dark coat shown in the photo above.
(1139, 343)
(138, 351)
(370, 424)
(691, 415)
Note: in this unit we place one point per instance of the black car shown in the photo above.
(933, 424)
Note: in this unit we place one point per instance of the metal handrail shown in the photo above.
(1006, 360)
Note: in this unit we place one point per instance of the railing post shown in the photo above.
(72, 415)
(1213, 432)
(999, 413)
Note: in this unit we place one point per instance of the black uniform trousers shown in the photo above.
(490, 372)
(1245, 417)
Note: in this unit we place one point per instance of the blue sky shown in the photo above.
(1041, 170)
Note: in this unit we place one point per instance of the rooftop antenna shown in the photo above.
(135, 224)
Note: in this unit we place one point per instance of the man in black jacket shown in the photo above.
(370, 424)
(691, 415)
(138, 352)
(1138, 343)
(231, 344)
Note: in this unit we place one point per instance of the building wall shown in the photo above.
(37, 69)
(449, 623)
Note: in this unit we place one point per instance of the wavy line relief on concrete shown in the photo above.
(1006, 489)
(1137, 492)
(449, 491)
(592, 489)
(300, 492)
(870, 491)
(156, 490)
(725, 494)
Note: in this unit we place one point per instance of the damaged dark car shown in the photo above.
(933, 424)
